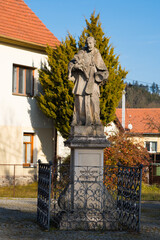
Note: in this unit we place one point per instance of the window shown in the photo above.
(23, 81)
(28, 149)
(155, 163)
(151, 146)
(156, 170)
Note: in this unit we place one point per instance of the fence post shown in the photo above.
(14, 180)
(140, 188)
(50, 189)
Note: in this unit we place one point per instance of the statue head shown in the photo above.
(90, 43)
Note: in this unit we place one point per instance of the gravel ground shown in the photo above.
(18, 221)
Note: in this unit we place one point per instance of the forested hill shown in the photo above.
(142, 96)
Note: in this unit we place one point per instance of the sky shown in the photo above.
(133, 28)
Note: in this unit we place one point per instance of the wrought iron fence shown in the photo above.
(129, 197)
(96, 198)
(44, 193)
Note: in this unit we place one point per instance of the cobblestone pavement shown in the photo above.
(18, 221)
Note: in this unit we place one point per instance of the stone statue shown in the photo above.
(88, 71)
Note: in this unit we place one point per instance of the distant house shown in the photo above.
(143, 125)
(26, 135)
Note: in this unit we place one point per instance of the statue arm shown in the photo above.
(70, 75)
(102, 72)
(77, 64)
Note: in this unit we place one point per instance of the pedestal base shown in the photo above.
(87, 137)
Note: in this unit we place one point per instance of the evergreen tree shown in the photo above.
(57, 99)
(154, 88)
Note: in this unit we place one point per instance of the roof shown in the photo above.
(19, 22)
(143, 120)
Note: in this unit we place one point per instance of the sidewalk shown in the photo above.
(18, 221)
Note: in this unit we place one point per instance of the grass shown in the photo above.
(149, 192)
(28, 191)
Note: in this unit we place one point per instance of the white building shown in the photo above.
(26, 135)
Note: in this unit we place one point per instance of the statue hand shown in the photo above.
(71, 78)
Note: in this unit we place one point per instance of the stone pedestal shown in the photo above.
(87, 144)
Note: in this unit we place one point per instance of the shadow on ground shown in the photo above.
(18, 221)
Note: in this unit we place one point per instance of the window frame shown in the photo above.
(17, 93)
(150, 146)
(25, 163)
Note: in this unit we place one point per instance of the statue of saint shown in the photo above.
(87, 70)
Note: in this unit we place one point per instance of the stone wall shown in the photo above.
(20, 180)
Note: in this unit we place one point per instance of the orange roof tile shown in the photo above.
(18, 21)
(143, 120)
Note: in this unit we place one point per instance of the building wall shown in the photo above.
(148, 138)
(62, 150)
(19, 114)
(111, 129)
(153, 138)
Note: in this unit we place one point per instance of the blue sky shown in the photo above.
(134, 28)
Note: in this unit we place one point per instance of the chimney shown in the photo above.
(123, 108)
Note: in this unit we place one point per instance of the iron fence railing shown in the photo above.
(96, 198)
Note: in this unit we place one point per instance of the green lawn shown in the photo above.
(149, 192)
(28, 191)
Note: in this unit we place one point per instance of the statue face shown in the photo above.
(90, 44)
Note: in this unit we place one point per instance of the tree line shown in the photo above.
(142, 96)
